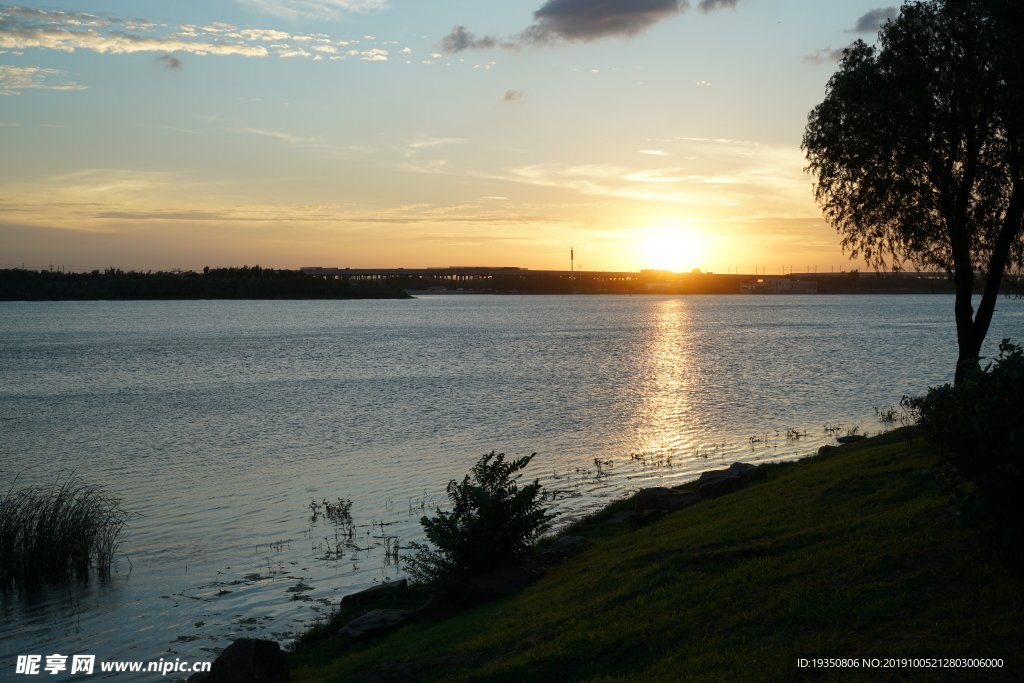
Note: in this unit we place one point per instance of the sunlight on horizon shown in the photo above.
(673, 249)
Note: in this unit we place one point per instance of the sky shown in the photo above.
(161, 134)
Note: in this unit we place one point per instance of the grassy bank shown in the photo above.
(848, 555)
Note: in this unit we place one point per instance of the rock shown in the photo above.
(503, 582)
(661, 498)
(374, 624)
(364, 596)
(620, 517)
(438, 608)
(646, 517)
(565, 547)
(715, 483)
(487, 587)
(247, 660)
(827, 449)
(850, 438)
(567, 542)
(522, 573)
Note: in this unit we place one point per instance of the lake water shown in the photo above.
(219, 422)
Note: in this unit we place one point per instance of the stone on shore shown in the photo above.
(374, 624)
(364, 596)
(438, 608)
(563, 548)
(503, 582)
(661, 498)
(715, 483)
(247, 660)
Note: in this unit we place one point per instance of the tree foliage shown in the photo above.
(918, 150)
(492, 523)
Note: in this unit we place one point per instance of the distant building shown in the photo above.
(779, 285)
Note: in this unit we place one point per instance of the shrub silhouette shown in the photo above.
(492, 523)
(977, 430)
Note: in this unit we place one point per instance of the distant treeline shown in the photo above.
(19, 284)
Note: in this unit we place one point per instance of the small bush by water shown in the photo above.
(492, 522)
(56, 533)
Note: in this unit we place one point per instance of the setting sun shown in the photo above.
(673, 249)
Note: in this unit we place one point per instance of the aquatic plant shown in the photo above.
(339, 512)
(57, 533)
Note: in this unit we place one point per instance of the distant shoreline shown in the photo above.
(217, 283)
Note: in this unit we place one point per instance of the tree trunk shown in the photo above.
(967, 337)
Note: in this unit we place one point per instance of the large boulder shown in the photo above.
(661, 498)
(715, 483)
(374, 624)
(365, 596)
(247, 660)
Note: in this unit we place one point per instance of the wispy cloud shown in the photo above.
(825, 55)
(428, 141)
(14, 79)
(319, 9)
(287, 137)
(512, 96)
(22, 28)
(657, 152)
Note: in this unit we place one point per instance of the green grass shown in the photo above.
(57, 533)
(848, 555)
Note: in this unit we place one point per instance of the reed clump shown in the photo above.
(57, 533)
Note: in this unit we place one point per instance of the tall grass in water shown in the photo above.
(55, 533)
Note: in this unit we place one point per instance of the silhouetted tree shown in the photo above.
(918, 150)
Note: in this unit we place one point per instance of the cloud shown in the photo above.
(654, 151)
(14, 79)
(561, 21)
(592, 19)
(874, 19)
(512, 96)
(428, 141)
(264, 34)
(320, 9)
(21, 28)
(294, 139)
(59, 17)
(655, 177)
(825, 56)
(172, 61)
(707, 6)
(460, 39)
